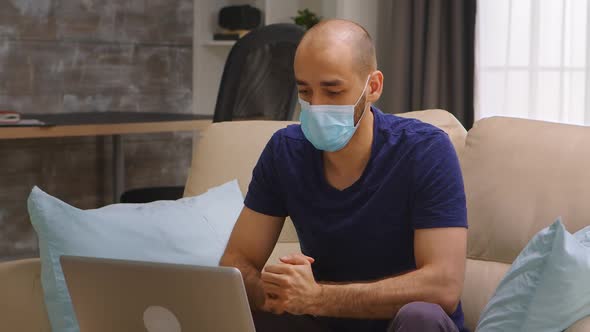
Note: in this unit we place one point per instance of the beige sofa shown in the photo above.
(519, 176)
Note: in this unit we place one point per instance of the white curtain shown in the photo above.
(532, 60)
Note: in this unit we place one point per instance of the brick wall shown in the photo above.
(61, 56)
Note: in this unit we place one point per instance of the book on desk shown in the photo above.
(14, 119)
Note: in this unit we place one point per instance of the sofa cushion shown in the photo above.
(583, 325)
(481, 280)
(520, 175)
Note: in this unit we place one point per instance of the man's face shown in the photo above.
(328, 77)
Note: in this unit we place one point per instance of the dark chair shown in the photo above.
(258, 81)
(257, 84)
(145, 195)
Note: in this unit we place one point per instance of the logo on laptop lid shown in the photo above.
(160, 319)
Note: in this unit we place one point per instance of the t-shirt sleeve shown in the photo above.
(265, 194)
(439, 193)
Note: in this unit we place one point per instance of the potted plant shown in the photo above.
(306, 18)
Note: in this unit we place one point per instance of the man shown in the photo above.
(377, 201)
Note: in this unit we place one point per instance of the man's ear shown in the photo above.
(375, 86)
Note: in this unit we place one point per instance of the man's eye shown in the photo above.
(302, 92)
(333, 93)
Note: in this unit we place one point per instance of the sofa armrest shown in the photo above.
(583, 325)
(22, 307)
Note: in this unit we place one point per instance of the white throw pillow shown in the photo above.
(192, 230)
(547, 288)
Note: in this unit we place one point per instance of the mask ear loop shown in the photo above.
(364, 89)
(360, 97)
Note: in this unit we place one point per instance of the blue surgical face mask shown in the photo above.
(329, 127)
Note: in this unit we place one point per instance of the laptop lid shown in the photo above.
(120, 295)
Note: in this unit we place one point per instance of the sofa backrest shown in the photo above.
(230, 150)
(520, 175)
(227, 151)
(445, 121)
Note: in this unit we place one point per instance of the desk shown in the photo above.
(112, 124)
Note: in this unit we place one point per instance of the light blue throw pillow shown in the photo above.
(548, 286)
(192, 230)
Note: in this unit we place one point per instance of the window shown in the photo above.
(532, 60)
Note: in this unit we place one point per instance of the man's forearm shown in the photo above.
(251, 276)
(382, 299)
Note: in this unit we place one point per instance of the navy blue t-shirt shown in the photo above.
(366, 231)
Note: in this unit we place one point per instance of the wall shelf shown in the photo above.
(219, 43)
(209, 55)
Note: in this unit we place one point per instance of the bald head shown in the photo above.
(344, 38)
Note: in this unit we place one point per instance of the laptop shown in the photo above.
(130, 296)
